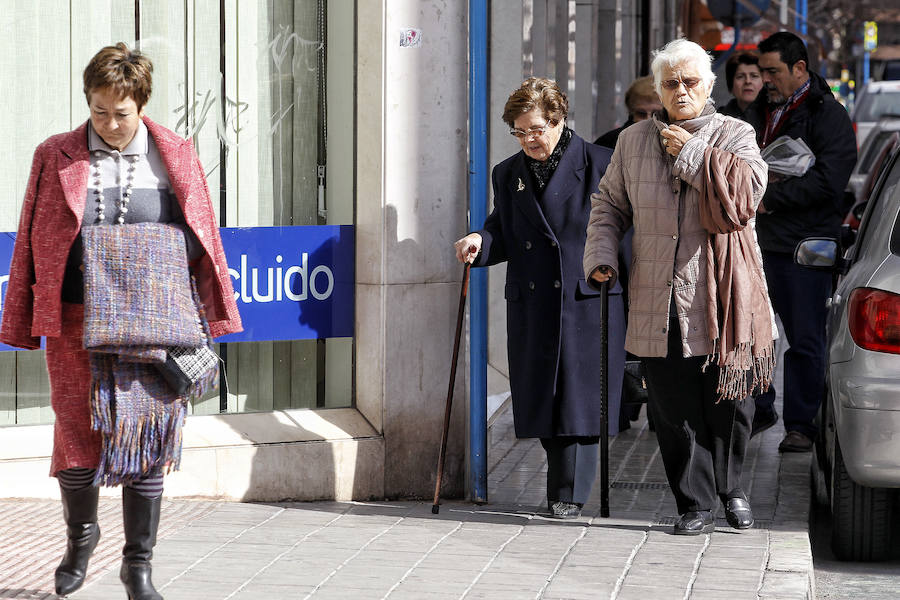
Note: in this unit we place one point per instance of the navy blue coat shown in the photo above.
(553, 316)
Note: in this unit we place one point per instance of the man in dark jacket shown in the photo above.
(800, 106)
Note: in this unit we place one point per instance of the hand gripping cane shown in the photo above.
(435, 508)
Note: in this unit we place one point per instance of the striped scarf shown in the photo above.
(775, 118)
(139, 300)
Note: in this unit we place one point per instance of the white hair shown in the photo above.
(680, 52)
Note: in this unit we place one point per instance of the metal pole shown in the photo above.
(865, 69)
(804, 29)
(478, 182)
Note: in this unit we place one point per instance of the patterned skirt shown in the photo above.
(75, 444)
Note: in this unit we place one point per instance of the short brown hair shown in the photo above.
(126, 72)
(641, 91)
(540, 93)
(744, 58)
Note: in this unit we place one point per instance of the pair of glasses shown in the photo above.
(533, 132)
(689, 83)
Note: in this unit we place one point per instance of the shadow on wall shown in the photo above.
(419, 342)
(284, 469)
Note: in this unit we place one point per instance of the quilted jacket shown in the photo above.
(659, 194)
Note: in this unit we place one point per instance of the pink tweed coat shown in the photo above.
(51, 218)
(50, 221)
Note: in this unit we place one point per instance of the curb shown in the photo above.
(789, 571)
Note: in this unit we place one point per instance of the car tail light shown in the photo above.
(874, 319)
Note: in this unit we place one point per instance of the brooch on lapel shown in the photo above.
(521, 186)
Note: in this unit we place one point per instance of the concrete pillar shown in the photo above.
(609, 94)
(581, 103)
(411, 206)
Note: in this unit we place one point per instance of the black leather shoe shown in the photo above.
(738, 513)
(795, 441)
(565, 510)
(763, 419)
(695, 523)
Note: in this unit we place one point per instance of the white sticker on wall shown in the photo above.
(410, 37)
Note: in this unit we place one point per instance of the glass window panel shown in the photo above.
(287, 111)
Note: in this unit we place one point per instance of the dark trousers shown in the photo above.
(702, 442)
(571, 467)
(798, 296)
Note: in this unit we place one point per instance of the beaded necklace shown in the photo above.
(125, 195)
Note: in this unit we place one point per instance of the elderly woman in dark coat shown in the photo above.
(689, 180)
(541, 206)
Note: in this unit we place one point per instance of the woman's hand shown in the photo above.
(674, 138)
(601, 274)
(468, 248)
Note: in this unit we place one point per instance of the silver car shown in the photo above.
(880, 135)
(859, 445)
(878, 98)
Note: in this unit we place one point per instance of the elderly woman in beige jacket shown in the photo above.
(689, 180)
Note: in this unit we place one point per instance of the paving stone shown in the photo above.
(504, 550)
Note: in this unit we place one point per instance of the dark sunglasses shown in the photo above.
(689, 83)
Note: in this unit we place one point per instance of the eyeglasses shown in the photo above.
(689, 83)
(533, 132)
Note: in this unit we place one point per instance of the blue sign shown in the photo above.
(290, 283)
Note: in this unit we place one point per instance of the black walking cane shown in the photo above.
(435, 508)
(604, 398)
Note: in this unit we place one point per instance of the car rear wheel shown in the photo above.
(861, 516)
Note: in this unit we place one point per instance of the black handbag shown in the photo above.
(634, 386)
(189, 367)
(192, 371)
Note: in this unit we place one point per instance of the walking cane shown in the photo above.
(604, 398)
(435, 508)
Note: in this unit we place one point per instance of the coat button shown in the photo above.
(528, 245)
(674, 237)
(556, 283)
(669, 283)
(553, 244)
(200, 233)
(664, 330)
(530, 285)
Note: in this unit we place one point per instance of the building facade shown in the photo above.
(334, 138)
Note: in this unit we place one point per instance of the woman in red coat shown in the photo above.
(118, 167)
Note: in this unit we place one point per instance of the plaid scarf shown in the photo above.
(139, 299)
(775, 118)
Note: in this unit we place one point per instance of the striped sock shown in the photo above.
(76, 478)
(150, 485)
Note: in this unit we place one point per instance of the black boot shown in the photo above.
(140, 516)
(83, 533)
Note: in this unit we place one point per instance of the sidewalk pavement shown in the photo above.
(503, 550)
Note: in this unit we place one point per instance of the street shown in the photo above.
(836, 580)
